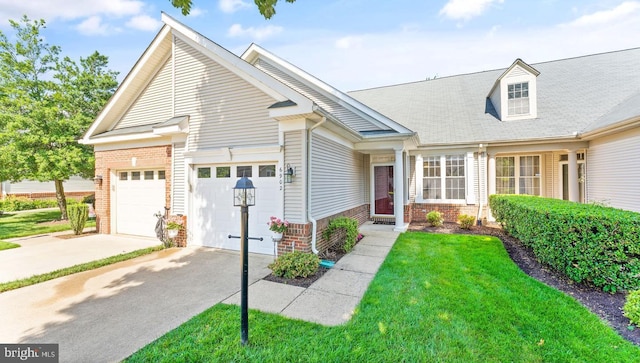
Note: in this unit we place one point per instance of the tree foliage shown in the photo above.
(46, 104)
(266, 7)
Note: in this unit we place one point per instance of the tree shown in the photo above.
(266, 7)
(46, 104)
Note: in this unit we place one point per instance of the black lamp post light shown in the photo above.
(244, 196)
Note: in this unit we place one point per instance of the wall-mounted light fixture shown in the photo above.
(97, 180)
(289, 173)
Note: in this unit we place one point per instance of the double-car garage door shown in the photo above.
(214, 217)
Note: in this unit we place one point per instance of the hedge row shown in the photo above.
(586, 242)
(13, 204)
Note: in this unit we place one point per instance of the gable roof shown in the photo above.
(338, 106)
(516, 63)
(154, 57)
(574, 95)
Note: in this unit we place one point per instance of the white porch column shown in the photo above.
(398, 191)
(491, 183)
(574, 195)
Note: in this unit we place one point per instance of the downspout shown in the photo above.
(314, 223)
(480, 189)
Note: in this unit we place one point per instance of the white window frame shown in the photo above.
(517, 175)
(521, 99)
(469, 178)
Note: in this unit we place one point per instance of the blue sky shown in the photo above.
(352, 44)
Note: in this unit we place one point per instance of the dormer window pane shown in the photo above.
(518, 95)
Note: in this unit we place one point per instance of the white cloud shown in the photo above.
(93, 26)
(52, 10)
(466, 9)
(349, 42)
(195, 12)
(144, 22)
(231, 6)
(620, 12)
(236, 30)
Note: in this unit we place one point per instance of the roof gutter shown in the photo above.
(314, 222)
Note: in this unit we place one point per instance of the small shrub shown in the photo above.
(350, 227)
(78, 215)
(632, 307)
(174, 225)
(434, 218)
(13, 204)
(295, 264)
(466, 221)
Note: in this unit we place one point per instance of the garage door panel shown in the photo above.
(136, 203)
(215, 217)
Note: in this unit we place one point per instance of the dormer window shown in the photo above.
(518, 95)
(513, 95)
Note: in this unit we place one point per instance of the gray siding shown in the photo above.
(348, 117)
(178, 183)
(294, 192)
(337, 181)
(224, 109)
(549, 172)
(154, 103)
(612, 170)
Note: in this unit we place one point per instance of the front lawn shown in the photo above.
(14, 225)
(8, 245)
(435, 298)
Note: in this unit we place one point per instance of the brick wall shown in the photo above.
(156, 157)
(298, 235)
(450, 212)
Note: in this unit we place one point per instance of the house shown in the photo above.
(191, 117)
(75, 187)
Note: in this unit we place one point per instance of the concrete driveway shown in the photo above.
(104, 315)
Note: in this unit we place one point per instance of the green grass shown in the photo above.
(436, 298)
(14, 225)
(12, 285)
(8, 245)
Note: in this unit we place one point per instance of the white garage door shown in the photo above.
(215, 217)
(139, 194)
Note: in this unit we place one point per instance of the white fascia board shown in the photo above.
(131, 144)
(117, 96)
(121, 138)
(239, 66)
(234, 155)
(254, 51)
(517, 62)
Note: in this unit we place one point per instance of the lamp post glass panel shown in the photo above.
(244, 196)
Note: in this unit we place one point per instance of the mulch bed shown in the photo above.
(607, 306)
(71, 235)
(333, 254)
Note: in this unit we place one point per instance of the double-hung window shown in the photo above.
(518, 96)
(518, 175)
(443, 177)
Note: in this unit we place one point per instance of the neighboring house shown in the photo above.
(191, 117)
(75, 187)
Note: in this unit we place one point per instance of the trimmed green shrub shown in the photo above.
(78, 215)
(632, 307)
(586, 242)
(295, 264)
(90, 199)
(13, 204)
(466, 221)
(350, 227)
(434, 218)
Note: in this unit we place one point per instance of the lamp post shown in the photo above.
(244, 196)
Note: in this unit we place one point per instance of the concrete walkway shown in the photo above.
(49, 252)
(332, 299)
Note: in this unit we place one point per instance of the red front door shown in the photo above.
(383, 186)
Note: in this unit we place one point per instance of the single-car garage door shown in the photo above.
(215, 217)
(139, 195)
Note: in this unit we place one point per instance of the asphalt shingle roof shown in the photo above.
(574, 95)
